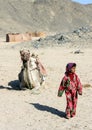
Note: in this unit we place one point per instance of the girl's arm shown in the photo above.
(61, 87)
(79, 86)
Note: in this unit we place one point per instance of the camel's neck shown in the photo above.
(25, 64)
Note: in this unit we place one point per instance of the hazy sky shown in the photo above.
(84, 1)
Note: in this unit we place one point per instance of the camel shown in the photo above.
(32, 74)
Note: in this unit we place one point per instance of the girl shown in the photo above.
(72, 86)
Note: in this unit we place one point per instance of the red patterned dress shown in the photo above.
(72, 87)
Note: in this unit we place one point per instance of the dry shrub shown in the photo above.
(34, 34)
(41, 34)
(87, 86)
(38, 34)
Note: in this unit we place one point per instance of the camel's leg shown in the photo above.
(29, 77)
(21, 79)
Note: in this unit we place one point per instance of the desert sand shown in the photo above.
(22, 110)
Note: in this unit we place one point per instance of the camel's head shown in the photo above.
(25, 55)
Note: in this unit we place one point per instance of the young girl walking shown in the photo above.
(72, 86)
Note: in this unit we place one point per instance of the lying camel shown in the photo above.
(32, 74)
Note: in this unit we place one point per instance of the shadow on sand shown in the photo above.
(15, 85)
(48, 109)
(12, 85)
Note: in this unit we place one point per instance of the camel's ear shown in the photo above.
(21, 51)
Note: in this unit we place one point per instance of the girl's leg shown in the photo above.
(69, 105)
(75, 98)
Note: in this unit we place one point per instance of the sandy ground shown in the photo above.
(21, 110)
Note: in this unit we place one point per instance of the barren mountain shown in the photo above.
(43, 15)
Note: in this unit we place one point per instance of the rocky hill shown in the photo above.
(43, 15)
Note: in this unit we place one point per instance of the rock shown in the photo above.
(77, 52)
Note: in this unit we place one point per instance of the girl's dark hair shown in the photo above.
(68, 67)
